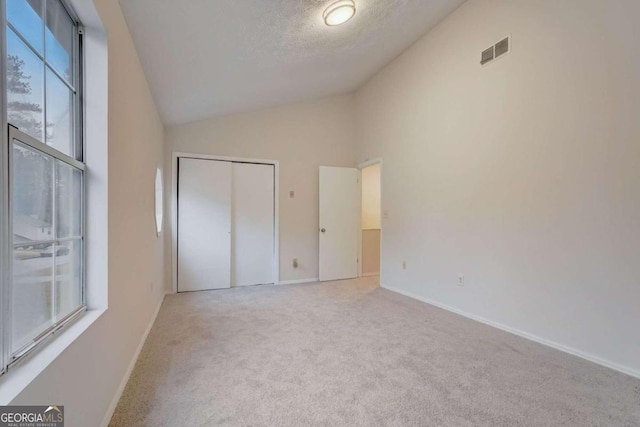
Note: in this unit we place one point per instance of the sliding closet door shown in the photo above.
(253, 224)
(204, 224)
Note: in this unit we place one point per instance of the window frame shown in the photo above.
(8, 357)
(4, 196)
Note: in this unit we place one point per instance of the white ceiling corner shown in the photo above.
(207, 58)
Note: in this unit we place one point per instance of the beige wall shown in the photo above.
(521, 175)
(86, 376)
(301, 137)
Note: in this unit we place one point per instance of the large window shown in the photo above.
(44, 198)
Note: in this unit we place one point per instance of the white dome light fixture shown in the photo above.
(339, 12)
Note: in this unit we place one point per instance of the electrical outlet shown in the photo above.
(404, 265)
(460, 280)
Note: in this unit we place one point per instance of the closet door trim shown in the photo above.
(174, 207)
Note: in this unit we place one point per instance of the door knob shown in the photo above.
(323, 230)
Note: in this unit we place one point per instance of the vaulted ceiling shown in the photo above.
(208, 58)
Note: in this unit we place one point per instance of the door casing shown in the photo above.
(174, 207)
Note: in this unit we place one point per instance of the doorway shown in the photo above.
(371, 222)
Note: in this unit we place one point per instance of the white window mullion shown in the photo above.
(54, 235)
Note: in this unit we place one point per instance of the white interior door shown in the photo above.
(339, 223)
(204, 224)
(253, 224)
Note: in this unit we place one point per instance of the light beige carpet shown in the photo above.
(350, 353)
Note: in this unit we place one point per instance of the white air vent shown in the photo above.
(497, 50)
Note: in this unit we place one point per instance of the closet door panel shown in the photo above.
(204, 224)
(253, 224)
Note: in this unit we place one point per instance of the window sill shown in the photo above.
(17, 378)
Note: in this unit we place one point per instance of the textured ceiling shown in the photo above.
(207, 58)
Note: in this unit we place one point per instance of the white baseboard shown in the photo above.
(566, 349)
(125, 380)
(370, 274)
(296, 281)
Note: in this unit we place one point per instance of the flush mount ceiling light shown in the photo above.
(339, 12)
